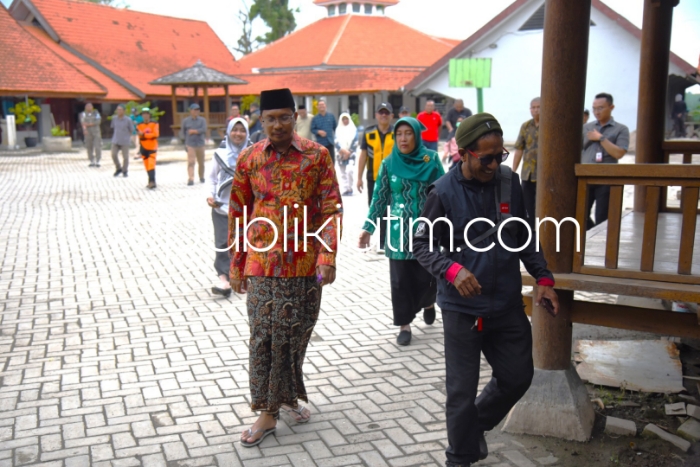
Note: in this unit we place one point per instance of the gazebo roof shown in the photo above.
(198, 74)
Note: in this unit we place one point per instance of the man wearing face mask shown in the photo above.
(479, 292)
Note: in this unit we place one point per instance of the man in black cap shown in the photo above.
(404, 112)
(376, 145)
(479, 284)
(282, 179)
(194, 132)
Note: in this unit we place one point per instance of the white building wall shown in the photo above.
(613, 67)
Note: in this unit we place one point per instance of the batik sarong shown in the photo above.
(282, 313)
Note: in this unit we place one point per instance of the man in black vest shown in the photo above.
(479, 284)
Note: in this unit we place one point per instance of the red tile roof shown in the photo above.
(29, 67)
(506, 13)
(115, 91)
(346, 81)
(137, 47)
(349, 40)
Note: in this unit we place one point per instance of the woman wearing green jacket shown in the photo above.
(402, 184)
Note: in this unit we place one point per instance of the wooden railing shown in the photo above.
(654, 177)
(687, 149)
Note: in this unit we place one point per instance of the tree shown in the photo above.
(114, 3)
(246, 43)
(278, 17)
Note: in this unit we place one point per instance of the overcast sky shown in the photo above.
(455, 19)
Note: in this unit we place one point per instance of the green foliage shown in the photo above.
(246, 44)
(24, 112)
(355, 119)
(695, 114)
(58, 131)
(278, 17)
(155, 112)
(246, 101)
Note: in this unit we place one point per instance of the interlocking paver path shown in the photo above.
(113, 352)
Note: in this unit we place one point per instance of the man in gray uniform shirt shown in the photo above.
(194, 131)
(90, 119)
(123, 128)
(604, 142)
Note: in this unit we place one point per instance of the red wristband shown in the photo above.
(452, 272)
(546, 282)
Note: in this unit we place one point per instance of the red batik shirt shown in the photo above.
(266, 182)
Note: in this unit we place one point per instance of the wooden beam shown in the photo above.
(682, 146)
(653, 84)
(564, 63)
(651, 220)
(173, 103)
(662, 322)
(612, 243)
(650, 171)
(643, 286)
(582, 219)
(689, 206)
(206, 111)
(227, 99)
(641, 275)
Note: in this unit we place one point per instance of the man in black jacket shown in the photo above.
(479, 284)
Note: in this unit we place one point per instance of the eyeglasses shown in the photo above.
(384, 112)
(284, 120)
(486, 160)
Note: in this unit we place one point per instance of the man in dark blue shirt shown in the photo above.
(323, 127)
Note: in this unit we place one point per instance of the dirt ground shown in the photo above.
(616, 451)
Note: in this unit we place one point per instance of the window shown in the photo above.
(354, 104)
(535, 22)
(355, 7)
(331, 10)
(342, 8)
(380, 9)
(368, 8)
(396, 101)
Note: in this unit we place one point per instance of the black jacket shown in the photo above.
(497, 270)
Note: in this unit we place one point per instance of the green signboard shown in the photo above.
(470, 73)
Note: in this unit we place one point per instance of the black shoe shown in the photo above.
(92, 164)
(97, 164)
(126, 174)
(404, 338)
(429, 315)
(483, 447)
(190, 183)
(117, 172)
(221, 291)
(201, 180)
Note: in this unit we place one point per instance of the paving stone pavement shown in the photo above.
(113, 351)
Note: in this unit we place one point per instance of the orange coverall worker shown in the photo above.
(148, 136)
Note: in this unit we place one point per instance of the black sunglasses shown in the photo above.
(486, 160)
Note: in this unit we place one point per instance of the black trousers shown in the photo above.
(382, 224)
(601, 195)
(506, 341)
(412, 289)
(530, 198)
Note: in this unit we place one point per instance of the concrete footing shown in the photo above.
(557, 404)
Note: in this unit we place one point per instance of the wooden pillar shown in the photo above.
(564, 65)
(227, 100)
(173, 103)
(206, 111)
(653, 86)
